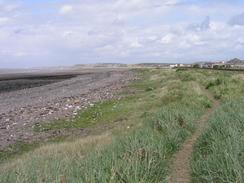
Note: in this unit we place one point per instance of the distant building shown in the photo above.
(173, 65)
(215, 65)
(206, 65)
(237, 66)
(179, 65)
(232, 64)
(187, 65)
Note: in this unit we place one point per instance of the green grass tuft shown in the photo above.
(219, 154)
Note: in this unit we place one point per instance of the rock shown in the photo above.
(55, 101)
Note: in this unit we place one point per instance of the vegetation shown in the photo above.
(225, 85)
(11, 151)
(156, 120)
(219, 154)
(103, 112)
(139, 97)
(148, 125)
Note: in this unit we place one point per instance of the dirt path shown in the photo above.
(181, 172)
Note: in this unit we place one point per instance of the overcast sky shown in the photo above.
(66, 32)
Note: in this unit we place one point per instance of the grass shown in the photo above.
(219, 153)
(149, 123)
(144, 154)
(157, 118)
(128, 109)
(100, 113)
(225, 85)
(129, 106)
(18, 147)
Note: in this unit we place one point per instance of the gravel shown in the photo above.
(21, 109)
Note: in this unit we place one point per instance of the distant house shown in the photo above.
(232, 64)
(177, 65)
(219, 65)
(187, 65)
(207, 65)
(173, 65)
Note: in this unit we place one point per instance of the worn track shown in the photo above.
(180, 169)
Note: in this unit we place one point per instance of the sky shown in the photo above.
(38, 33)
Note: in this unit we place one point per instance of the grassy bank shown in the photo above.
(140, 96)
(225, 85)
(158, 113)
(219, 153)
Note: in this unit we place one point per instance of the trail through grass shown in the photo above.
(158, 117)
(149, 124)
(180, 169)
(218, 155)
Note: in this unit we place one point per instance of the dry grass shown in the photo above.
(63, 150)
(196, 87)
(241, 76)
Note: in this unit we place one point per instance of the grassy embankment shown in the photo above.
(151, 124)
(219, 153)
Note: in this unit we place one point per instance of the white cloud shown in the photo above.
(152, 38)
(169, 38)
(66, 9)
(172, 2)
(4, 20)
(135, 44)
(6, 6)
(117, 30)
